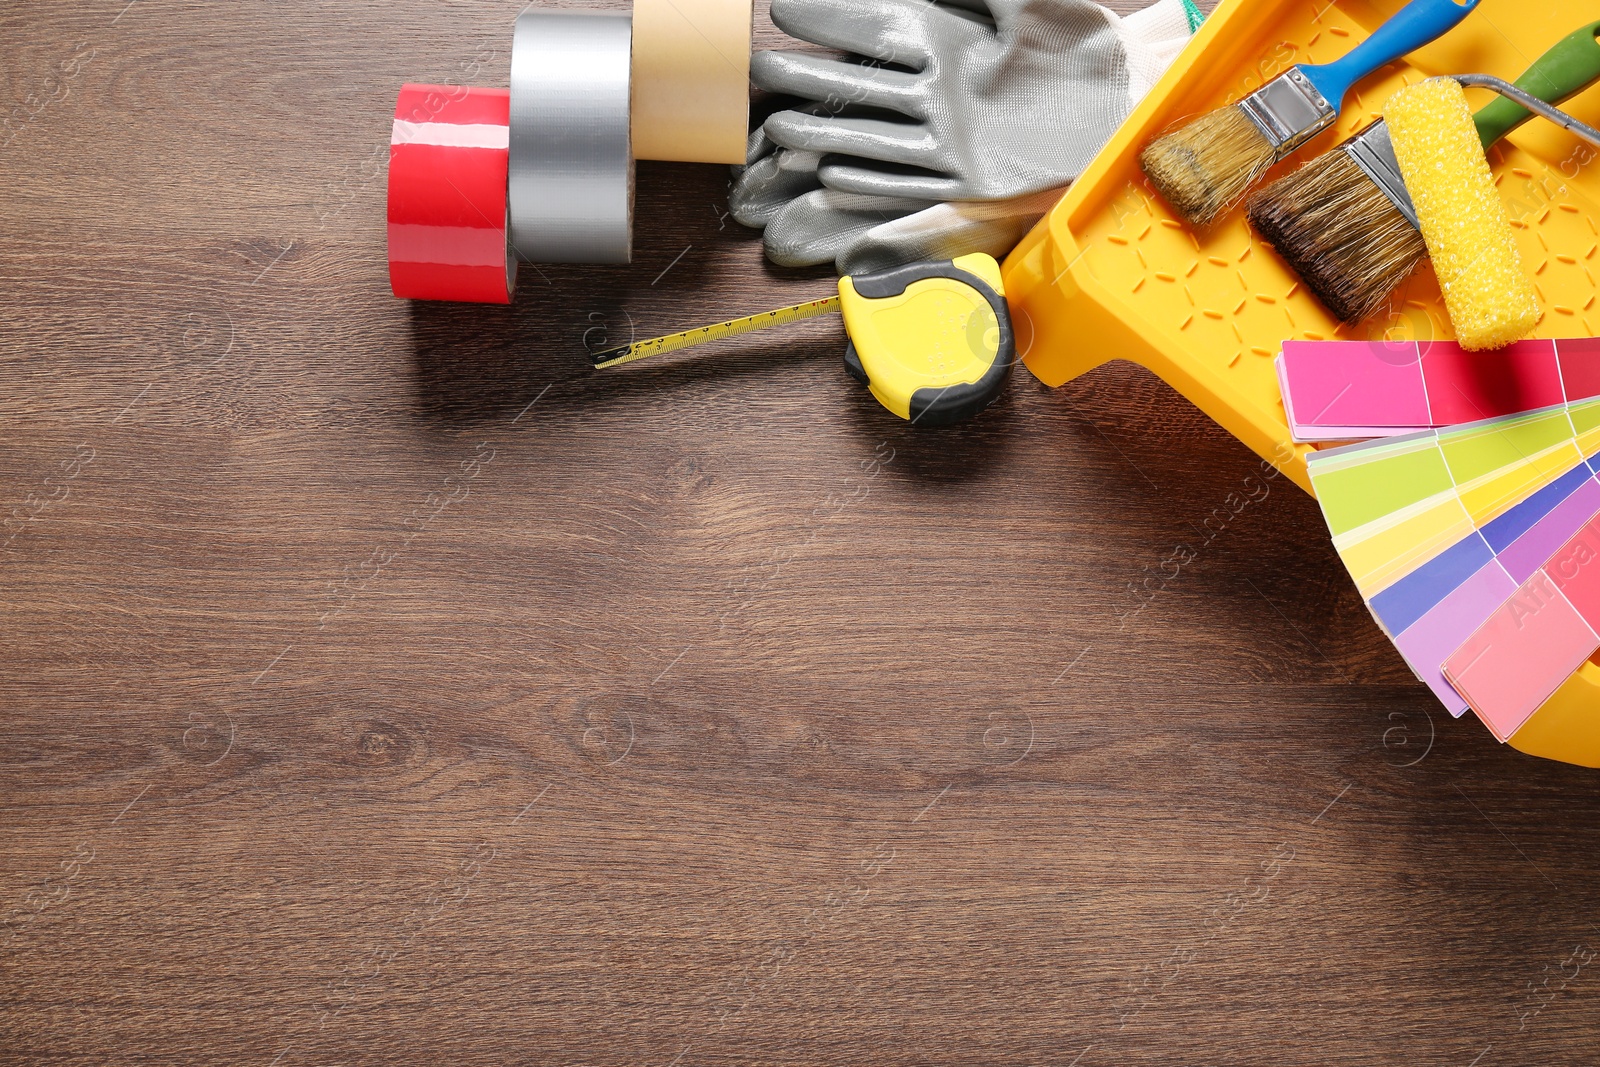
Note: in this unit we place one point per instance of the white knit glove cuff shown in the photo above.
(1152, 39)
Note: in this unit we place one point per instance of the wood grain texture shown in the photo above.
(382, 687)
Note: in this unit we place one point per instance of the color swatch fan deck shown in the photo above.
(1477, 549)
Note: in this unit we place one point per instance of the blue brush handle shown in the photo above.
(1418, 23)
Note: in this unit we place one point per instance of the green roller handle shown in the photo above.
(1565, 71)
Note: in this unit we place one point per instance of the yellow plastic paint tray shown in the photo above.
(1111, 273)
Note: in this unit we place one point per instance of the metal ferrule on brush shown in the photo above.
(1373, 151)
(1289, 110)
(1373, 148)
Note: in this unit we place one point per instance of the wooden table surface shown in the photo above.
(382, 686)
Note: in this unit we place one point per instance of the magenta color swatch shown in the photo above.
(1355, 383)
(1334, 390)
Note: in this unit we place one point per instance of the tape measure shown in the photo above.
(932, 341)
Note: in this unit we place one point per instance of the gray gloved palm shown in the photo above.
(1003, 106)
(860, 233)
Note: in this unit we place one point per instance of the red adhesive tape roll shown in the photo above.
(447, 195)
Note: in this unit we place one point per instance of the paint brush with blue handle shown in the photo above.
(1209, 165)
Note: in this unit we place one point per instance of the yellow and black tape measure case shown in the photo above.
(933, 341)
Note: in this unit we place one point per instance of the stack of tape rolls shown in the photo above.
(544, 172)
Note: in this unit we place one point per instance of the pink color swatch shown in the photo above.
(1342, 390)
(1535, 640)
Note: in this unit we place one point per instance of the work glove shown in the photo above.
(951, 129)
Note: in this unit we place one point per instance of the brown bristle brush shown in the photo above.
(1345, 221)
(1209, 165)
(1341, 232)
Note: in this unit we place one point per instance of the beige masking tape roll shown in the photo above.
(691, 80)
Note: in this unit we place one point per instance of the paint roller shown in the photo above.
(1487, 291)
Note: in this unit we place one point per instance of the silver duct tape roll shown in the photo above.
(571, 167)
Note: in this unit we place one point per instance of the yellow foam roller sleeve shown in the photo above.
(691, 80)
(1487, 291)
